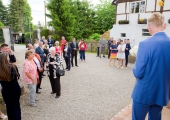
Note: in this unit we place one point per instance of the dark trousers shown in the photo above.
(67, 61)
(126, 59)
(108, 53)
(12, 105)
(40, 78)
(55, 84)
(82, 54)
(139, 111)
(74, 56)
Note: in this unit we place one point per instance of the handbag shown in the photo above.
(60, 72)
(23, 89)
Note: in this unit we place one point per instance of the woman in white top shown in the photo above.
(121, 54)
(36, 44)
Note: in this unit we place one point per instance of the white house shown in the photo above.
(132, 10)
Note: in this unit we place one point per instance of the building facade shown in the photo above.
(131, 18)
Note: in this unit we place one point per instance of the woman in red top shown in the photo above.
(58, 48)
(82, 48)
(63, 42)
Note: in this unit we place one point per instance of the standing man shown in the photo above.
(102, 43)
(152, 70)
(128, 47)
(74, 47)
(50, 41)
(39, 50)
(5, 49)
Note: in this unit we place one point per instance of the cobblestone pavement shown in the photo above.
(92, 91)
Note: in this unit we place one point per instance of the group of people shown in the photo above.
(117, 50)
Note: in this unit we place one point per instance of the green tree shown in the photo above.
(105, 14)
(3, 13)
(15, 17)
(45, 32)
(62, 20)
(27, 17)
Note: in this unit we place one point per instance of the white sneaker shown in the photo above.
(122, 67)
(118, 67)
(2, 116)
(33, 105)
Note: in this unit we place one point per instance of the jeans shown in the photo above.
(82, 54)
(32, 88)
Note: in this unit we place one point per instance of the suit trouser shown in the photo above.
(126, 58)
(74, 55)
(40, 78)
(139, 111)
(102, 51)
(108, 53)
(67, 60)
(12, 105)
(55, 84)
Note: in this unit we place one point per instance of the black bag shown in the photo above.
(60, 72)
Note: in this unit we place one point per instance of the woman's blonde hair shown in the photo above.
(56, 42)
(5, 71)
(156, 20)
(28, 53)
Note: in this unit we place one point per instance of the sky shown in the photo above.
(37, 9)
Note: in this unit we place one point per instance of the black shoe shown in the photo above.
(39, 88)
(104, 56)
(57, 96)
(38, 92)
(76, 65)
(52, 92)
(72, 65)
(68, 70)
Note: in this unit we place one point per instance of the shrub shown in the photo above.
(45, 32)
(95, 37)
(34, 34)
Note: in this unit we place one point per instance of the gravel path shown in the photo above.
(92, 91)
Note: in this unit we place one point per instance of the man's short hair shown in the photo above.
(4, 45)
(156, 20)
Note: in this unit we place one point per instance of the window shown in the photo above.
(123, 34)
(145, 32)
(137, 7)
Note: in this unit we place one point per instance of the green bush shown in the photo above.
(34, 34)
(45, 32)
(1, 24)
(95, 37)
(27, 35)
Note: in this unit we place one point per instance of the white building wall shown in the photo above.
(127, 9)
(150, 5)
(133, 18)
(121, 8)
(167, 5)
(120, 17)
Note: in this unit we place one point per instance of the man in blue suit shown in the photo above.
(152, 70)
(128, 47)
(50, 41)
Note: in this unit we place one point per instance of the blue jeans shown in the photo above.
(32, 88)
(82, 54)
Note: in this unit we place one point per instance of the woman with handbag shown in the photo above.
(11, 90)
(52, 67)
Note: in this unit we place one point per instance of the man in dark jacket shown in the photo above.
(50, 41)
(5, 49)
(74, 48)
(128, 47)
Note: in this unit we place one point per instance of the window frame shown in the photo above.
(135, 4)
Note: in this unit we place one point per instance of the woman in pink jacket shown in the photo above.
(82, 48)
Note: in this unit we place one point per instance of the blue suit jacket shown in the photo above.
(127, 51)
(50, 43)
(152, 70)
(39, 51)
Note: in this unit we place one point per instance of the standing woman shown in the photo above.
(11, 90)
(67, 54)
(113, 50)
(36, 44)
(54, 63)
(30, 76)
(121, 54)
(82, 47)
(63, 42)
(57, 48)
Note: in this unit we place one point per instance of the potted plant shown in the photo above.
(142, 21)
(123, 21)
